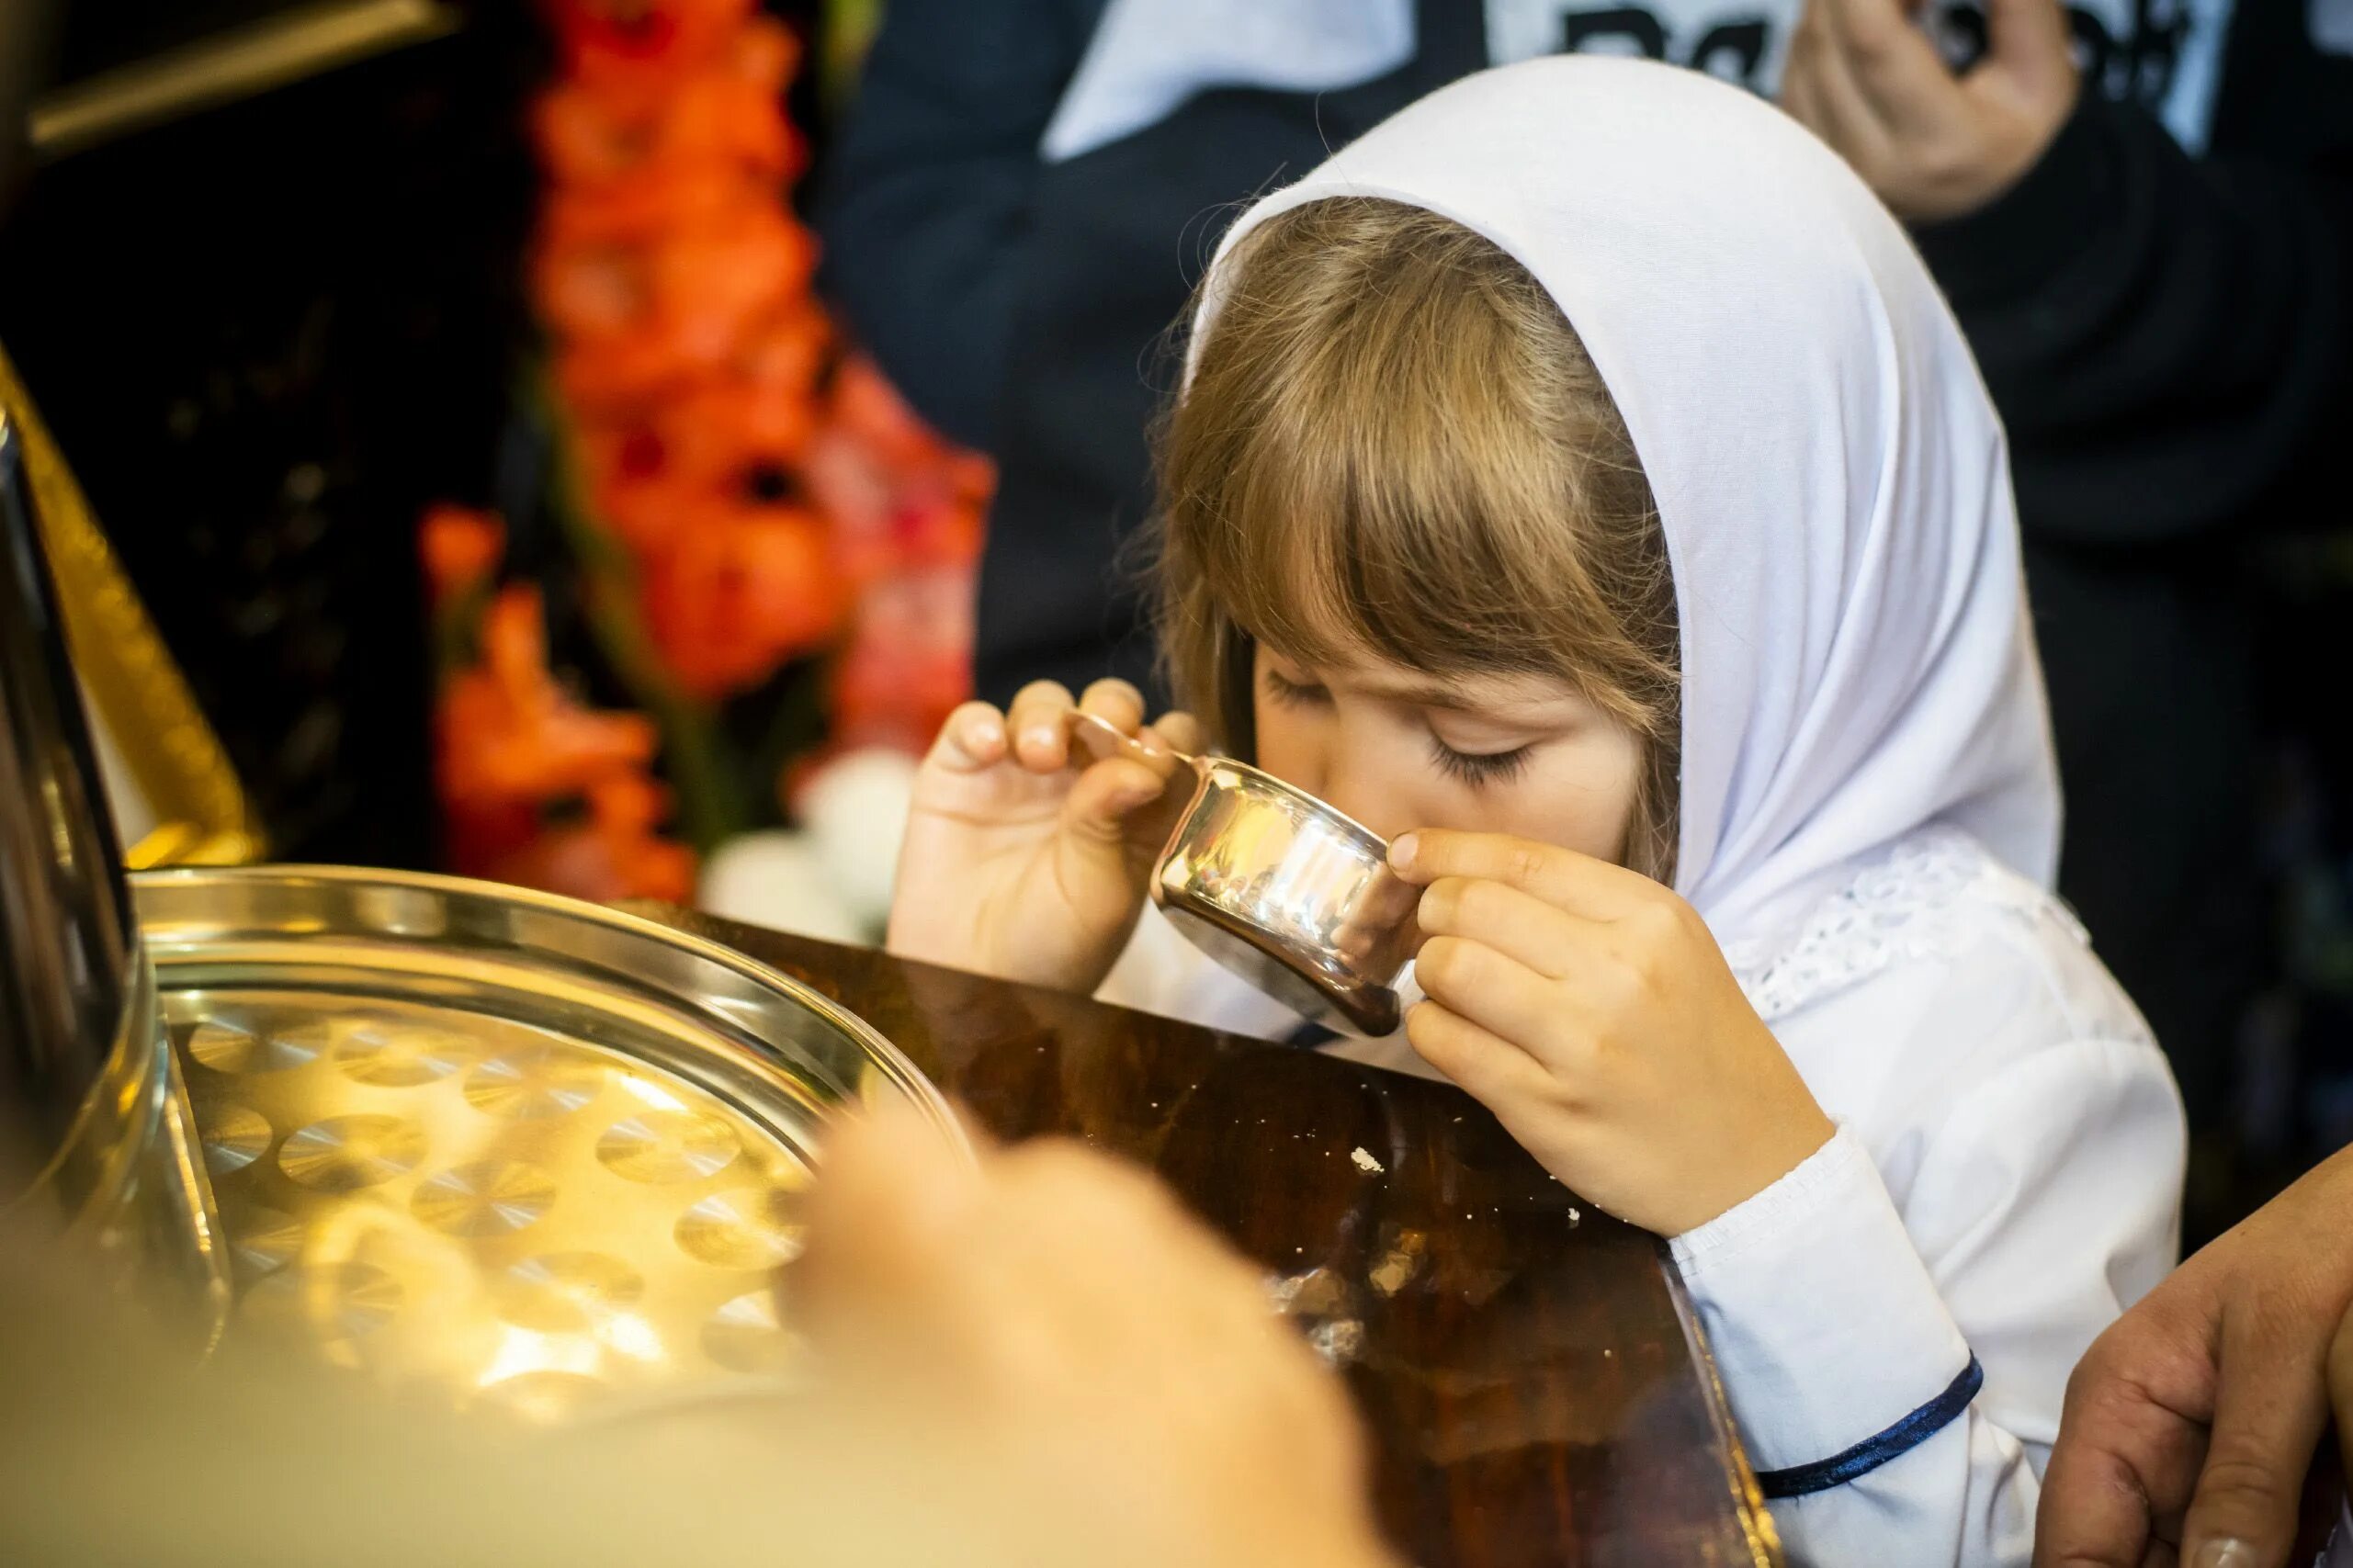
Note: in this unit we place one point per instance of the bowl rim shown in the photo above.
(1317, 802)
(887, 1056)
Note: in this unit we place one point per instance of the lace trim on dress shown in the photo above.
(1887, 913)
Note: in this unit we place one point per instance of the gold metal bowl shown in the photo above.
(497, 1147)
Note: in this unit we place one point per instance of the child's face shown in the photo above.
(1520, 754)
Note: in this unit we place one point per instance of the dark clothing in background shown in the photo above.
(2166, 336)
(1026, 306)
(2170, 340)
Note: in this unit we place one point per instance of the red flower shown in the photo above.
(634, 42)
(909, 662)
(736, 590)
(594, 140)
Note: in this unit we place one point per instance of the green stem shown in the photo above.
(712, 806)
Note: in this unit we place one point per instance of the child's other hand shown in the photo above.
(1591, 1011)
(1021, 861)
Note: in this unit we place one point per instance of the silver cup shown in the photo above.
(1291, 894)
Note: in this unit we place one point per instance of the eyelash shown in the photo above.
(1477, 768)
(1290, 694)
(1472, 768)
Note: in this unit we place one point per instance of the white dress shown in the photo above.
(2003, 1184)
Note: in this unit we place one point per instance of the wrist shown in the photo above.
(1788, 1143)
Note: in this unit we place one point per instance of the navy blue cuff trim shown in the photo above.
(1872, 1452)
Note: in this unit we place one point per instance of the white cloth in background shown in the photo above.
(1870, 811)
(1147, 57)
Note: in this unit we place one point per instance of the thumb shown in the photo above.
(2269, 1409)
(1095, 812)
(889, 1194)
(2029, 39)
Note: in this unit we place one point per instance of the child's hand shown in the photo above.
(1591, 1010)
(1016, 866)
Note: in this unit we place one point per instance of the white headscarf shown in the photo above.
(1831, 477)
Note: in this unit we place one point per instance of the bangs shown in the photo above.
(1394, 445)
(1415, 526)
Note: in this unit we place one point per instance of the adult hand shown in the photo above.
(1591, 1011)
(2190, 1423)
(1095, 1376)
(1863, 76)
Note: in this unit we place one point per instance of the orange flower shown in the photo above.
(726, 428)
(461, 547)
(632, 42)
(870, 407)
(514, 748)
(736, 590)
(639, 321)
(715, 122)
(613, 853)
(509, 732)
(765, 53)
(788, 349)
(716, 283)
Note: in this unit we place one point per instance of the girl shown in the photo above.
(1465, 534)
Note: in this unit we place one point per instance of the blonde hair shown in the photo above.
(1395, 444)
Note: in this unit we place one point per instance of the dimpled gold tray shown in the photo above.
(512, 1151)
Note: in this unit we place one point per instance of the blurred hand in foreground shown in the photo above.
(1109, 1377)
(1866, 78)
(2190, 1424)
(1037, 1363)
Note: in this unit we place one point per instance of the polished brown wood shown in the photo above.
(1534, 1380)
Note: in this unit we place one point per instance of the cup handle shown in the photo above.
(1103, 740)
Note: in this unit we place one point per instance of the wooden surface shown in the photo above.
(1534, 1383)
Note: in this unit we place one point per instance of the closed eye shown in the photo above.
(1292, 693)
(1477, 768)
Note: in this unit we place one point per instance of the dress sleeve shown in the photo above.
(1897, 1371)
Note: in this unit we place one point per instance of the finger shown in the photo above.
(1516, 924)
(1563, 878)
(971, 741)
(2092, 1514)
(1885, 60)
(1839, 110)
(1180, 732)
(1117, 703)
(2270, 1405)
(1038, 722)
(1104, 796)
(2028, 37)
(2340, 1393)
(1487, 1067)
(1501, 995)
(1121, 1225)
(2124, 1468)
(1799, 97)
(890, 1198)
